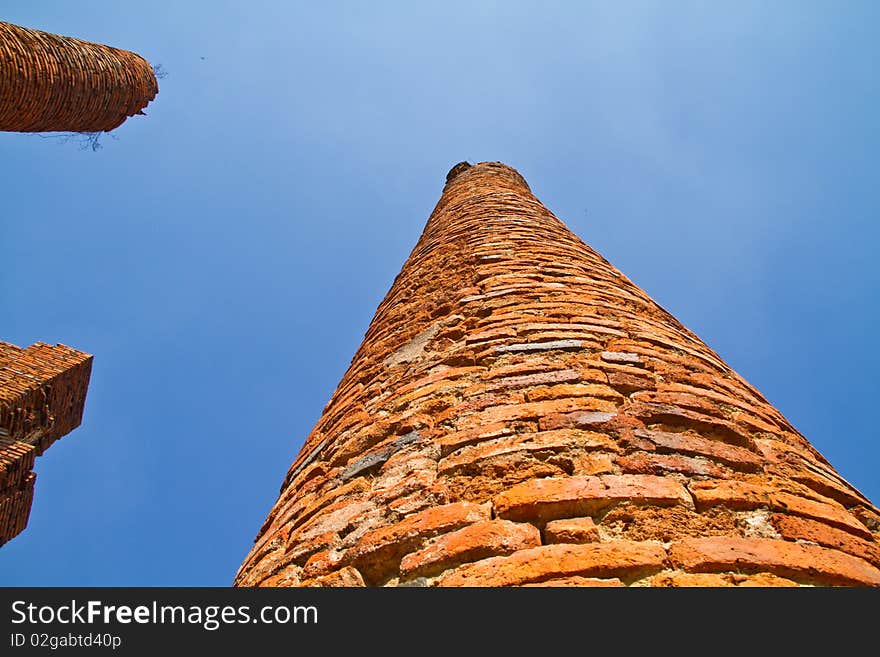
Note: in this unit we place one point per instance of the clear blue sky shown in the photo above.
(224, 255)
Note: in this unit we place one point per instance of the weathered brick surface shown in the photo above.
(783, 558)
(578, 581)
(377, 554)
(478, 541)
(690, 580)
(346, 577)
(658, 523)
(801, 529)
(737, 458)
(511, 368)
(57, 83)
(752, 495)
(541, 500)
(42, 397)
(621, 559)
(658, 464)
(571, 530)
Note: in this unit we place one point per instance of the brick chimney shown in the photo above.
(522, 414)
(56, 83)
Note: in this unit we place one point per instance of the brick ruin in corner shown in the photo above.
(520, 413)
(42, 396)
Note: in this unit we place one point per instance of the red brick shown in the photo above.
(322, 563)
(591, 464)
(764, 580)
(540, 441)
(571, 530)
(724, 398)
(801, 529)
(286, 577)
(298, 516)
(347, 577)
(780, 452)
(536, 379)
(869, 517)
(298, 552)
(751, 424)
(568, 327)
(378, 552)
(474, 542)
(686, 400)
(445, 374)
(645, 463)
(621, 559)
(744, 495)
(530, 367)
(577, 420)
(678, 579)
(510, 412)
(453, 441)
(670, 414)
(629, 383)
(621, 357)
(799, 464)
(435, 495)
(434, 389)
(792, 560)
(596, 390)
(738, 458)
(390, 487)
(578, 581)
(566, 497)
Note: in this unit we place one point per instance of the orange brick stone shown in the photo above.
(539, 441)
(571, 530)
(378, 553)
(688, 580)
(322, 563)
(783, 558)
(621, 559)
(578, 581)
(801, 529)
(715, 450)
(514, 387)
(593, 390)
(346, 577)
(565, 497)
(472, 543)
(658, 464)
(751, 495)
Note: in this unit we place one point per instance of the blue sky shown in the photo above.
(223, 256)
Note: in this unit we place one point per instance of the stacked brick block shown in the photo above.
(521, 414)
(42, 396)
(56, 83)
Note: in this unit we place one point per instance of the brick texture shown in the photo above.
(519, 413)
(57, 83)
(42, 396)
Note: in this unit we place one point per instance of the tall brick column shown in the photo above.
(42, 396)
(520, 413)
(56, 83)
